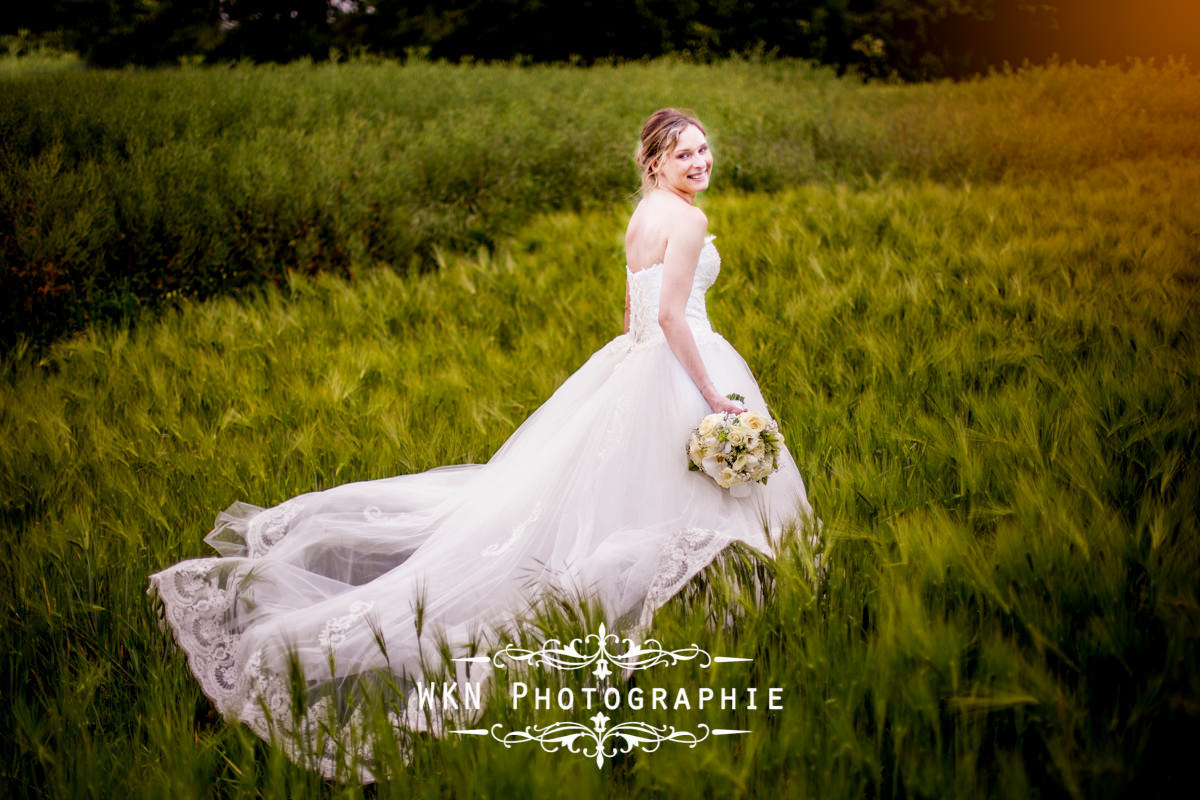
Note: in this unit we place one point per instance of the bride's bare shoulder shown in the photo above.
(685, 228)
(654, 213)
(691, 219)
(660, 223)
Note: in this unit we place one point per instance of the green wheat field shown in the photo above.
(980, 340)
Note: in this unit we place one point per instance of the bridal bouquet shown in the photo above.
(736, 449)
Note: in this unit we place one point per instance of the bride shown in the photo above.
(590, 496)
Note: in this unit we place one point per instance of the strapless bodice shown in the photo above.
(645, 289)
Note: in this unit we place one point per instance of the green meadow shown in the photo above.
(973, 308)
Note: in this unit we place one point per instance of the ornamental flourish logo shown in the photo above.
(600, 741)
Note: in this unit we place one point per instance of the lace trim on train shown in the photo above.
(687, 553)
(320, 739)
(199, 601)
(198, 605)
(246, 530)
(267, 528)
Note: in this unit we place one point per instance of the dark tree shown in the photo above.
(914, 39)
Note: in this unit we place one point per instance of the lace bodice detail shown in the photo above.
(645, 287)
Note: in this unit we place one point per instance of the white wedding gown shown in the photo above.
(591, 495)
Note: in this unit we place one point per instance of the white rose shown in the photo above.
(754, 421)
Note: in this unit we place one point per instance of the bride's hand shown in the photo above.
(719, 403)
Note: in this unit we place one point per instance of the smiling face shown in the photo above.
(684, 168)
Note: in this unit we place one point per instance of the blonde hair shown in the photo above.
(659, 135)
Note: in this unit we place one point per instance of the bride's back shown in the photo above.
(649, 228)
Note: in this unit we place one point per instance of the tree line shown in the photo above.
(911, 39)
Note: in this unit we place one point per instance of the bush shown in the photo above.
(121, 191)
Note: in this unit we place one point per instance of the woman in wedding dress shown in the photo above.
(590, 496)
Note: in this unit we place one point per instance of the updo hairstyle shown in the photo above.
(659, 135)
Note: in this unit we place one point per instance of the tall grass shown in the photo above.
(990, 389)
(24, 55)
(123, 191)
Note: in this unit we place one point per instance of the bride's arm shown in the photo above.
(679, 269)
